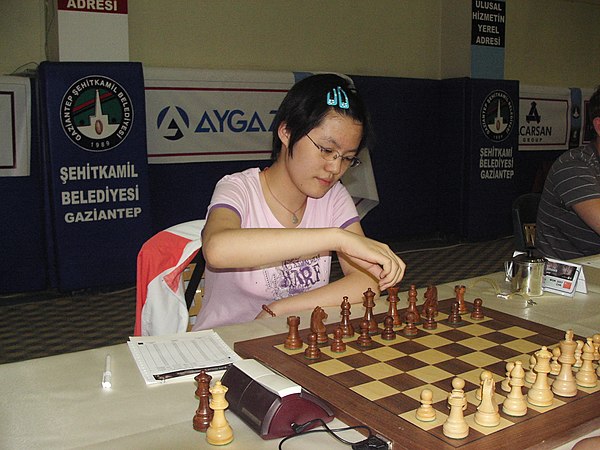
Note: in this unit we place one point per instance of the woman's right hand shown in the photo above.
(373, 256)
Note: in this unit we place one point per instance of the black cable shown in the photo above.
(299, 431)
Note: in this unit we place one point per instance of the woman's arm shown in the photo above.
(226, 245)
(355, 282)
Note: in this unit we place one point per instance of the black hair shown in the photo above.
(593, 110)
(305, 106)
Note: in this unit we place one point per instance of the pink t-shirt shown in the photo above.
(235, 296)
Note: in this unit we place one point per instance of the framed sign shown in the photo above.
(561, 277)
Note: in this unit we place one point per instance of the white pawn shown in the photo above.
(219, 431)
(586, 377)
(515, 403)
(555, 365)
(487, 412)
(530, 375)
(426, 412)
(505, 385)
(455, 426)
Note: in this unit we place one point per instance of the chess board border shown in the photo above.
(557, 425)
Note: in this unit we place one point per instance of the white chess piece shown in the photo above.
(530, 374)
(515, 403)
(505, 385)
(586, 377)
(596, 340)
(426, 412)
(564, 385)
(455, 426)
(578, 350)
(555, 365)
(540, 393)
(219, 431)
(487, 412)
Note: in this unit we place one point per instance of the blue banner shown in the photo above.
(479, 128)
(93, 119)
(490, 180)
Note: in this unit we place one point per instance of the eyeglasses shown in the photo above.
(331, 155)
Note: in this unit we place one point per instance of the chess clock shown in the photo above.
(269, 403)
(561, 277)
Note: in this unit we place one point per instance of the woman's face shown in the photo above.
(313, 175)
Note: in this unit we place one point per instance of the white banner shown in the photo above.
(211, 115)
(544, 118)
(214, 115)
(15, 126)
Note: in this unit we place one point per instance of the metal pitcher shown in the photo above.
(526, 274)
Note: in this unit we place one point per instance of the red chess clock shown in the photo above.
(267, 413)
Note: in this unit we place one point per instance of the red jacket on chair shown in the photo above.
(160, 297)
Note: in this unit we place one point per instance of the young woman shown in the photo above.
(269, 234)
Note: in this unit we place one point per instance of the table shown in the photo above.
(57, 402)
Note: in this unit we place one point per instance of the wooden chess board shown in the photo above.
(380, 387)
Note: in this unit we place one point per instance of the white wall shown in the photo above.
(548, 42)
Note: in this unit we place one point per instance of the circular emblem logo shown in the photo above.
(497, 115)
(96, 113)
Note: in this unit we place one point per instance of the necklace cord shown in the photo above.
(293, 213)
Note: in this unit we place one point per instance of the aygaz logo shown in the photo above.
(175, 123)
(96, 113)
(497, 115)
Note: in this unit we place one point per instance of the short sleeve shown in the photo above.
(343, 210)
(576, 181)
(233, 192)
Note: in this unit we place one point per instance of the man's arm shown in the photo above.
(589, 212)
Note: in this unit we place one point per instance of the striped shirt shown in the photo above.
(560, 233)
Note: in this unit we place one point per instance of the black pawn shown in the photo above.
(338, 345)
(477, 313)
(312, 351)
(364, 340)
(454, 318)
(388, 332)
(430, 323)
(410, 329)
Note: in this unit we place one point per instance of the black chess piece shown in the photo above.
(312, 351)
(430, 322)
(388, 332)
(345, 324)
(454, 318)
(364, 340)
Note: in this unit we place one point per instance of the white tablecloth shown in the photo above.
(57, 402)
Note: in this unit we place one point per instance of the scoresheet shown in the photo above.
(162, 359)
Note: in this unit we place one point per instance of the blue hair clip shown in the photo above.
(344, 104)
(332, 100)
(338, 97)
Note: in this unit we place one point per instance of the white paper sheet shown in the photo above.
(163, 359)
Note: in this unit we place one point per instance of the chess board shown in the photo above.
(380, 386)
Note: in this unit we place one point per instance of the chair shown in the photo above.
(193, 275)
(161, 306)
(524, 214)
